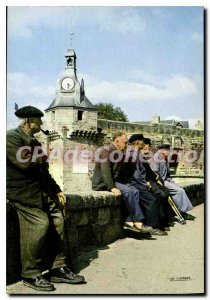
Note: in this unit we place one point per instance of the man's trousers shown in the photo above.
(179, 196)
(130, 196)
(35, 226)
(151, 206)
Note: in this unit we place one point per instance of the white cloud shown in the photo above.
(132, 97)
(144, 77)
(123, 20)
(181, 85)
(176, 86)
(22, 20)
(22, 86)
(25, 90)
(177, 97)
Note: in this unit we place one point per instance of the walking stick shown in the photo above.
(181, 220)
(61, 207)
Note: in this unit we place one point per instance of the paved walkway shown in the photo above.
(172, 264)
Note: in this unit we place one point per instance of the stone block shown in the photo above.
(86, 237)
(72, 237)
(103, 216)
(81, 217)
(112, 232)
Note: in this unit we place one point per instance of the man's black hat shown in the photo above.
(29, 112)
(164, 146)
(136, 137)
(147, 141)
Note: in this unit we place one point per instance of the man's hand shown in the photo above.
(116, 192)
(62, 198)
(149, 185)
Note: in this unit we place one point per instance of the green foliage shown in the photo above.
(109, 112)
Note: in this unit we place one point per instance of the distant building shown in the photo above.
(156, 120)
(199, 125)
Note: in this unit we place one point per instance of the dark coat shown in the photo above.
(106, 173)
(138, 172)
(133, 170)
(27, 182)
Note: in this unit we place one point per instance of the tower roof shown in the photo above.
(70, 52)
(71, 102)
(75, 96)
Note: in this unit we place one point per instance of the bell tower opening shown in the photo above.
(71, 60)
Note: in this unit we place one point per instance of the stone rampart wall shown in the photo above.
(184, 140)
(158, 132)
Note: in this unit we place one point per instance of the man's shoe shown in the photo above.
(146, 229)
(188, 217)
(133, 228)
(38, 283)
(157, 231)
(64, 275)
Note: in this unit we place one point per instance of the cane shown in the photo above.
(181, 220)
(61, 207)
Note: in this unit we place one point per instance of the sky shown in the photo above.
(146, 60)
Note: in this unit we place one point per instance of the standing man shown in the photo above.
(161, 166)
(107, 177)
(36, 197)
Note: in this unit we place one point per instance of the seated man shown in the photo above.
(105, 178)
(157, 189)
(161, 166)
(135, 175)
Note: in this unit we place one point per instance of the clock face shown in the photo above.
(67, 83)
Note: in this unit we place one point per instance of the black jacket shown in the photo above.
(106, 171)
(137, 170)
(27, 182)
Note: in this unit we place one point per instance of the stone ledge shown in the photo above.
(92, 219)
(91, 200)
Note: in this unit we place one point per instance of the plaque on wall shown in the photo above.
(80, 167)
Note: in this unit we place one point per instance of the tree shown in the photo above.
(109, 112)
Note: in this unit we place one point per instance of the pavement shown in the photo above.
(172, 264)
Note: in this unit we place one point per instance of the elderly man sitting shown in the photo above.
(161, 166)
(107, 177)
(135, 175)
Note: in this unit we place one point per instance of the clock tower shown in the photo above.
(71, 108)
(72, 123)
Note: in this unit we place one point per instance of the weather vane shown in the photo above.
(71, 38)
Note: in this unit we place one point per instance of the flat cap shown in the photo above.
(147, 141)
(164, 146)
(136, 137)
(29, 112)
